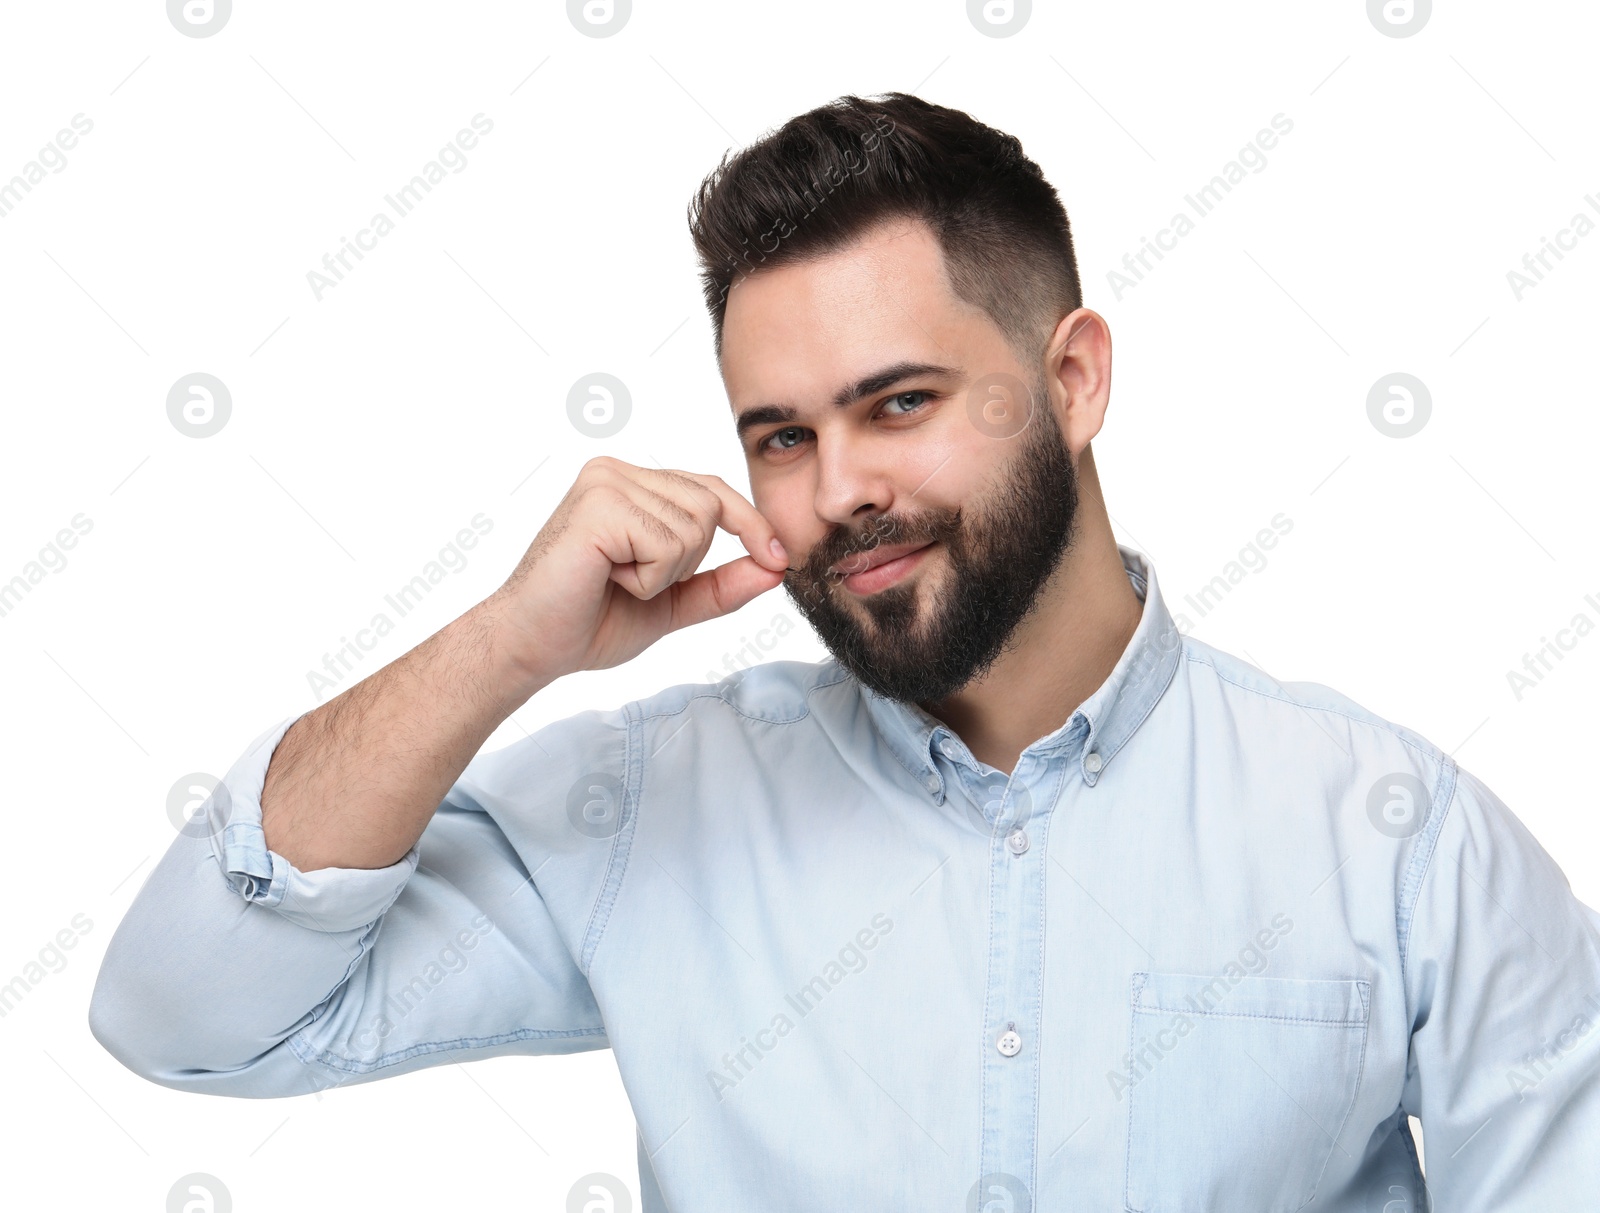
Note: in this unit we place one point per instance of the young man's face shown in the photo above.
(958, 470)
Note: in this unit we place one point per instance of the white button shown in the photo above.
(1009, 1044)
(1017, 841)
(931, 782)
(949, 750)
(1092, 763)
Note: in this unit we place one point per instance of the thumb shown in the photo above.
(720, 591)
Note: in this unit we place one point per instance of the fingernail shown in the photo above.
(777, 550)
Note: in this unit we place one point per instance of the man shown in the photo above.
(1022, 900)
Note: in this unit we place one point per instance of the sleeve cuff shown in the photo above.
(327, 899)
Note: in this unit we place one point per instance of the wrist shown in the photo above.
(519, 667)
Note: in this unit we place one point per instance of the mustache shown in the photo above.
(923, 526)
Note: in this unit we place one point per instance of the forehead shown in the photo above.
(797, 330)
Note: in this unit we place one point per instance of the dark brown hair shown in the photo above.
(814, 184)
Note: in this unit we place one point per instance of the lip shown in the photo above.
(881, 567)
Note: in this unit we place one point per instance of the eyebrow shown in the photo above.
(867, 385)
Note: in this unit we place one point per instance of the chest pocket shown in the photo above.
(1239, 1089)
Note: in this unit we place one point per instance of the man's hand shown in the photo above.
(615, 567)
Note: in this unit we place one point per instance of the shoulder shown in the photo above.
(725, 711)
(773, 692)
(1222, 678)
(1308, 734)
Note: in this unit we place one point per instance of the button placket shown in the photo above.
(1014, 987)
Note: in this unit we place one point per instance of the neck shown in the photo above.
(1061, 653)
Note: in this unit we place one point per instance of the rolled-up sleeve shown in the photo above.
(1503, 978)
(235, 973)
(327, 899)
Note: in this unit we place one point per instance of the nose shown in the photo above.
(852, 480)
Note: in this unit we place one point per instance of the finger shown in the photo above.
(735, 514)
(687, 515)
(645, 552)
(720, 591)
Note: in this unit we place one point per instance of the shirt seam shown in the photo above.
(1044, 926)
(621, 842)
(1424, 748)
(1355, 1097)
(1444, 793)
(334, 1061)
(1312, 1022)
(1403, 1128)
(633, 791)
(737, 710)
(363, 946)
(984, 1126)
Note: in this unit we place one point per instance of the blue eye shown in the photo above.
(776, 439)
(791, 436)
(900, 396)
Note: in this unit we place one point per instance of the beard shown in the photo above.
(1001, 554)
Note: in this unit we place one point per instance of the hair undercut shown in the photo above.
(816, 183)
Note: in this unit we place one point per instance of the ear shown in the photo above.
(1078, 371)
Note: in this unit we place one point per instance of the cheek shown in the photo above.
(790, 512)
(951, 467)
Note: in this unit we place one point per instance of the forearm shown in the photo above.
(354, 783)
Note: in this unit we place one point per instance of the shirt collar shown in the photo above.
(1096, 731)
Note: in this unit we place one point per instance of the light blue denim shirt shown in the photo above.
(1205, 949)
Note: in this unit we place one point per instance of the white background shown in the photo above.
(430, 385)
